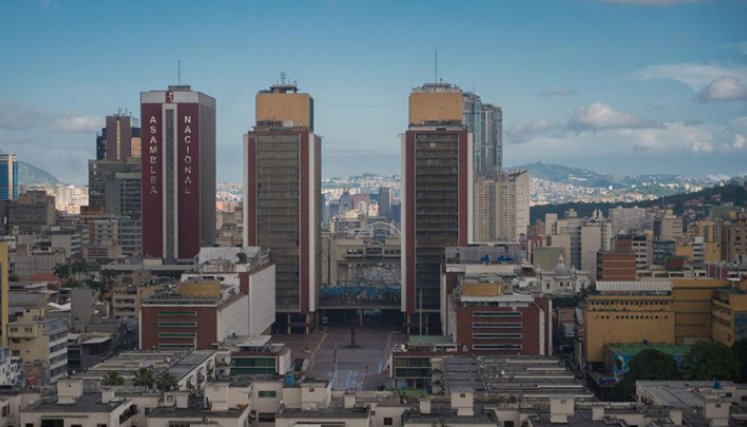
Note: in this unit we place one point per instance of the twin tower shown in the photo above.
(282, 186)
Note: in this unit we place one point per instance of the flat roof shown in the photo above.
(87, 402)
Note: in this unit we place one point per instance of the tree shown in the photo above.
(740, 352)
(649, 364)
(78, 266)
(711, 360)
(144, 377)
(167, 382)
(62, 271)
(112, 378)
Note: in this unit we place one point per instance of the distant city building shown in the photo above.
(120, 139)
(8, 177)
(282, 190)
(501, 207)
(178, 172)
(485, 123)
(618, 266)
(31, 212)
(437, 183)
(385, 202)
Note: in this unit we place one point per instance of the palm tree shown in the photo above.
(112, 378)
(78, 266)
(144, 377)
(167, 382)
(61, 270)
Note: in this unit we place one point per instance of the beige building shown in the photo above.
(627, 312)
(693, 299)
(42, 345)
(501, 207)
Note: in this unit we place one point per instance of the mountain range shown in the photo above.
(29, 175)
(587, 178)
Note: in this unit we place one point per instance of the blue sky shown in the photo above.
(619, 86)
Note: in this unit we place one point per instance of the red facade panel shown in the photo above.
(409, 212)
(304, 150)
(188, 179)
(152, 180)
(251, 192)
(465, 157)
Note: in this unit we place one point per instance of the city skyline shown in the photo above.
(670, 97)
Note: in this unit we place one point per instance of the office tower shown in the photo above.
(385, 202)
(282, 186)
(178, 172)
(501, 207)
(120, 139)
(485, 123)
(8, 177)
(436, 197)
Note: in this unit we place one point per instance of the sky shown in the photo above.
(615, 86)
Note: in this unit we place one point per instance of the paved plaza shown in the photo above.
(361, 368)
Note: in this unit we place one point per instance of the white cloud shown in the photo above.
(525, 132)
(701, 147)
(77, 124)
(740, 142)
(724, 88)
(599, 116)
(557, 92)
(675, 137)
(695, 76)
(15, 117)
(653, 2)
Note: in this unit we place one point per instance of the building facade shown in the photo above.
(437, 182)
(178, 172)
(8, 177)
(282, 187)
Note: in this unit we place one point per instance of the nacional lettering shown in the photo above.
(153, 155)
(187, 138)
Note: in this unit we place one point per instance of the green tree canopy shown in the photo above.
(167, 382)
(649, 364)
(112, 378)
(740, 352)
(711, 360)
(144, 377)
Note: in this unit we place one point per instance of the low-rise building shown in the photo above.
(42, 345)
(729, 315)
(191, 369)
(627, 312)
(73, 406)
(199, 316)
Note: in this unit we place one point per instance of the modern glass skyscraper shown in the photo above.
(8, 177)
(485, 123)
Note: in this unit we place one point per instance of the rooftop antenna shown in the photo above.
(435, 66)
(179, 72)
(283, 76)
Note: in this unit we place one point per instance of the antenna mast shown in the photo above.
(179, 72)
(435, 66)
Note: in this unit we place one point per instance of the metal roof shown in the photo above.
(634, 286)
